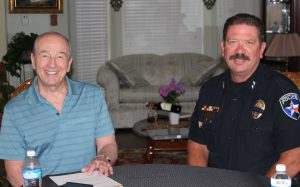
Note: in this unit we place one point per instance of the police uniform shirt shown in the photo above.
(247, 125)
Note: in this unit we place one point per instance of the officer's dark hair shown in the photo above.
(247, 19)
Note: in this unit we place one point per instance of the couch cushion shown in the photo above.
(202, 71)
(127, 72)
(191, 68)
(151, 93)
(198, 68)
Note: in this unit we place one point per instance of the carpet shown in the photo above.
(137, 156)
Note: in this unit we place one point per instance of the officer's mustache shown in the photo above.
(239, 56)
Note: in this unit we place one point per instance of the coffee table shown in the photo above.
(163, 136)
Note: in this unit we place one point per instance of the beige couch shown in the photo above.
(132, 80)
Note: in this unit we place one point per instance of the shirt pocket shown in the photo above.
(208, 123)
(256, 137)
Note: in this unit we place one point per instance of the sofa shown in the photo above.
(130, 81)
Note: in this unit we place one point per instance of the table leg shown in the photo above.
(149, 152)
(163, 145)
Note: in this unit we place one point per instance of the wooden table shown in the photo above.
(163, 136)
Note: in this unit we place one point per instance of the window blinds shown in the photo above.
(91, 38)
(162, 26)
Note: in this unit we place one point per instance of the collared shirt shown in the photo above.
(246, 126)
(64, 141)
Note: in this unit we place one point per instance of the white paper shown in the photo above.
(95, 179)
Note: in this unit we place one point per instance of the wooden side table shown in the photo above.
(163, 145)
(163, 136)
(294, 76)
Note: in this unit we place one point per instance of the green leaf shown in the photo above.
(19, 43)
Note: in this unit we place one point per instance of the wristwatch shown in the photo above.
(103, 156)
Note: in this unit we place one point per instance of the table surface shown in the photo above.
(167, 175)
(170, 175)
(162, 130)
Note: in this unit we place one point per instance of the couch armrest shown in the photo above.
(111, 84)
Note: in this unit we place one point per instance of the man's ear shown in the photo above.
(262, 49)
(69, 64)
(32, 61)
(222, 48)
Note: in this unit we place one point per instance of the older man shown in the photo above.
(66, 122)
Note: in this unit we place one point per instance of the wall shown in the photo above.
(2, 29)
(115, 33)
(38, 23)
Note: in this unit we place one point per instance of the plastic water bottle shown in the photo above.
(32, 173)
(281, 178)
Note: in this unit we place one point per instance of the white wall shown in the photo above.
(38, 23)
(2, 30)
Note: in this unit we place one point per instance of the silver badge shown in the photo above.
(258, 109)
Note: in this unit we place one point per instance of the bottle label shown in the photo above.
(280, 182)
(32, 173)
(166, 106)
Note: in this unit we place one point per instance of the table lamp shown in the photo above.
(284, 45)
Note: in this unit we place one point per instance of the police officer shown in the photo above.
(247, 118)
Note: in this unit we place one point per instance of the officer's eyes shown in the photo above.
(232, 42)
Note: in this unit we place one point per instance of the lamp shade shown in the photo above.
(284, 45)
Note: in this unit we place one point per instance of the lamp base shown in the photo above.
(286, 66)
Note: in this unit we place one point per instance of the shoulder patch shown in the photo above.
(290, 105)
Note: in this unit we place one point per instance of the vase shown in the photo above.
(173, 118)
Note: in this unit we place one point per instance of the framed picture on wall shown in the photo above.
(36, 6)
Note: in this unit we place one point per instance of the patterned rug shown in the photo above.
(137, 156)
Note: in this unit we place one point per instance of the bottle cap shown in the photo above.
(280, 167)
(30, 152)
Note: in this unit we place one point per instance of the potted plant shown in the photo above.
(5, 91)
(18, 52)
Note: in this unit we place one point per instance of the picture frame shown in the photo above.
(35, 6)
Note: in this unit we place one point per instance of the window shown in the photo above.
(162, 26)
(91, 38)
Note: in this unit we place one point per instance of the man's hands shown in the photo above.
(101, 164)
(107, 151)
(14, 172)
(197, 154)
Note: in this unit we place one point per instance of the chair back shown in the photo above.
(21, 88)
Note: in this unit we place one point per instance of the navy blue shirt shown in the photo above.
(247, 125)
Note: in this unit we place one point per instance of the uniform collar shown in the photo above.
(252, 82)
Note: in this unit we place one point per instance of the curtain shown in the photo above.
(162, 26)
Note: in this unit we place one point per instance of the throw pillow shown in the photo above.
(186, 81)
(129, 76)
(202, 71)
